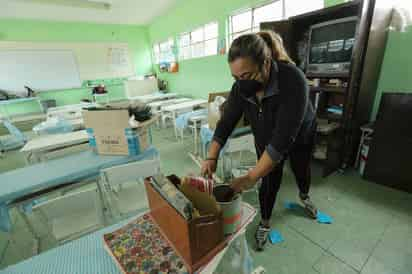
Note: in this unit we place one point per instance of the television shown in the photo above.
(330, 46)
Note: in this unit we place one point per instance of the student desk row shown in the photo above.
(36, 149)
(22, 186)
(88, 254)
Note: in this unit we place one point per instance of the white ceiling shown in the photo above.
(120, 12)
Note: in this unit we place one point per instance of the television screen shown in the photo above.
(332, 43)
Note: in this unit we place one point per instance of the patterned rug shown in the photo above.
(139, 247)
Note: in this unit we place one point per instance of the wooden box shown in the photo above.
(196, 241)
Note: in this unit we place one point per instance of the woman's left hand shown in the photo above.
(242, 183)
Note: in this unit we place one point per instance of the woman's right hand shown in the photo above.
(208, 167)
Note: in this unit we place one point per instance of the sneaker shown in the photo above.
(261, 236)
(310, 208)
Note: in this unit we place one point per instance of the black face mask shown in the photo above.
(249, 87)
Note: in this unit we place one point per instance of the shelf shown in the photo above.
(326, 129)
(326, 75)
(341, 90)
(330, 117)
(320, 152)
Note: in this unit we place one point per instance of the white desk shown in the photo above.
(27, 117)
(156, 107)
(185, 105)
(173, 110)
(153, 97)
(36, 149)
(69, 112)
(159, 104)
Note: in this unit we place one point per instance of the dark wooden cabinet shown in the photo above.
(390, 155)
(356, 93)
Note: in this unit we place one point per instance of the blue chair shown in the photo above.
(16, 139)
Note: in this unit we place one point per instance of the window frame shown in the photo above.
(191, 44)
(158, 58)
(252, 28)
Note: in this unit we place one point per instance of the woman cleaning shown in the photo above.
(272, 94)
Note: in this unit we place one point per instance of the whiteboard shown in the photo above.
(135, 88)
(95, 60)
(38, 69)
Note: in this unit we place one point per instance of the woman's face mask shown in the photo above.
(249, 87)
(248, 77)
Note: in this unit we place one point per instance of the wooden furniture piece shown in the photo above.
(390, 154)
(354, 91)
(197, 240)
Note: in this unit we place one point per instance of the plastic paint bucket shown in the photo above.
(231, 206)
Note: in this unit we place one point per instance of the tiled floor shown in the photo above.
(371, 233)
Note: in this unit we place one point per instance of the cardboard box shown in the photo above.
(197, 241)
(214, 118)
(110, 133)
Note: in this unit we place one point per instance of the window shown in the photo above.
(296, 7)
(163, 52)
(249, 21)
(199, 43)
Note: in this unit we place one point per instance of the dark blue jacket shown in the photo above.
(284, 116)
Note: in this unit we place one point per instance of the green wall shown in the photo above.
(329, 3)
(396, 73)
(43, 31)
(197, 77)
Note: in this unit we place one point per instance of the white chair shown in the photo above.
(195, 123)
(73, 214)
(123, 187)
(237, 145)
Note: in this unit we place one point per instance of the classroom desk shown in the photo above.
(159, 104)
(57, 127)
(156, 106)
(153, 97)
(24, 118)
(88, 254)
(173, 110)
(69, 112)
(36, 179)
(36, 149)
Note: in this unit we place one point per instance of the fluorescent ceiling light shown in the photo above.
(88, 4)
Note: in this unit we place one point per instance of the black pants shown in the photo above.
(299, 157)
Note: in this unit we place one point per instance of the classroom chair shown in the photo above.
(245, 143)
(73, 214)
(124, 191)
(16, 139)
